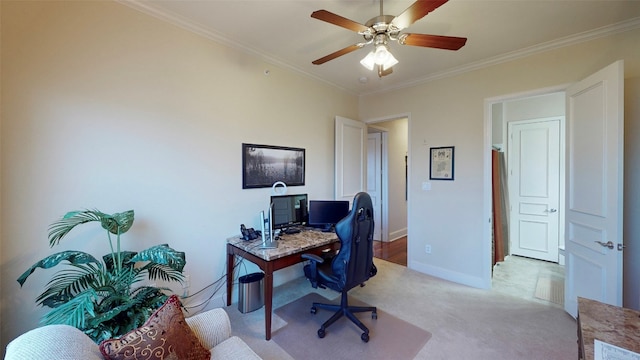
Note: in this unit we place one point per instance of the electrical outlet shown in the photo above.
(427, 249)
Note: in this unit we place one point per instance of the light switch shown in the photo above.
(426, 186)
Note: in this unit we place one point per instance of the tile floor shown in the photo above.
(518, 276)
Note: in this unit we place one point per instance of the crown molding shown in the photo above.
(518, 54)
(535, 49)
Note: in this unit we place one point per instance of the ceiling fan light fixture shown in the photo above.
(391, 60)
(380, 56)
(368, 61)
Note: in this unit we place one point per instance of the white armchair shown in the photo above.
(63, 342)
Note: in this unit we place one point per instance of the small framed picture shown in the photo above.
(441, 163)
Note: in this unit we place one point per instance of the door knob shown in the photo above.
(551, 210)
(608, 244)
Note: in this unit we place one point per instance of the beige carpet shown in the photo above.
(550, 289)
(465, 323)
(390, 337)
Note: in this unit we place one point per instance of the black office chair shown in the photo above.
(352, 266)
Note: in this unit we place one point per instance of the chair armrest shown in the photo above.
(211, 327)
(311, 270)
(313, 257)
(61, 342)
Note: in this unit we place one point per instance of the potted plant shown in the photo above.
(104, 298)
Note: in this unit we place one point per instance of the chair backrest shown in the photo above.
(354, 262)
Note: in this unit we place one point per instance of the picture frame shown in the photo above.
(263, 165)
(441, 163)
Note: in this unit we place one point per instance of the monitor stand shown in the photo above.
(269, 244)
(269, 241)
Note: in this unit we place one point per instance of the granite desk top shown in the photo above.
(611, 324)
(287, 244)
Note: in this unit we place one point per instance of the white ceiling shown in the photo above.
(282, 32)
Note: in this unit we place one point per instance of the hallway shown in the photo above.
(526, 278)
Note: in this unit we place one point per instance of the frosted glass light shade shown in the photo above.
(368, 61)
(380, 56)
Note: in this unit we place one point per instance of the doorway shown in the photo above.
(529, 129)
(392, 135)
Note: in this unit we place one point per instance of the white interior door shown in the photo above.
(374, 180)
(350, 158)
(593, 239)
(534, 188)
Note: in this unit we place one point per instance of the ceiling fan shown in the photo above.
(383, 29)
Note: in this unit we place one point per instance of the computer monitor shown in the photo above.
(288, 210)
(327, 213)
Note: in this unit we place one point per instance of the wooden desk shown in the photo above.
(289, 251)
(612, 324)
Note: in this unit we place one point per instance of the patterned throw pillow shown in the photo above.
(164, 336)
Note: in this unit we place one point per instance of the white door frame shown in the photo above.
(384, 196)
(380, 177)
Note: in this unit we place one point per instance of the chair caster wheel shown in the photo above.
(314, 310)
(374, 315)
(321, 333)
(365, 337)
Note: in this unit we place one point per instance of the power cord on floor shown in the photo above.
(219, 283)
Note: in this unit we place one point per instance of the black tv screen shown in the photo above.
(288, 210)
(327, 212)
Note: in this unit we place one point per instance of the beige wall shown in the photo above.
(453, 216)
(104, 107)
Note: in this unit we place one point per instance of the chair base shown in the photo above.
(345, 310)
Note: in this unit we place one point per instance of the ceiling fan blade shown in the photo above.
(334, 19)
(336, 54)
(416, 12)
(432, 41)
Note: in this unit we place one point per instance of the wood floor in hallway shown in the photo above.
(393, 251)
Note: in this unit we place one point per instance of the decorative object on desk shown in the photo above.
(100, 298)
(279, 188)
(264, 165)
(441, 164)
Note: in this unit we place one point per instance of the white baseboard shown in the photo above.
(453, 276)
(395, 235)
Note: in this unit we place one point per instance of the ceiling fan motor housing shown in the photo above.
(380, 25)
